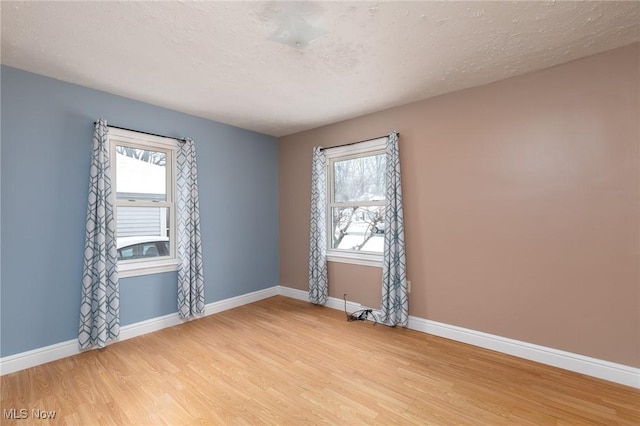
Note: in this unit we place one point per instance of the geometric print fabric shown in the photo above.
(318, 284)
(100, 299)
(189, 240)
(395, 303)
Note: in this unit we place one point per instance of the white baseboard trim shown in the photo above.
(594, 367)
(332, 302)
(32, 358)
(245, 299)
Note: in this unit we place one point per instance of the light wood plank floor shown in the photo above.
(285, 362)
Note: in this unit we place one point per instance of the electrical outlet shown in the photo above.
(408, 286)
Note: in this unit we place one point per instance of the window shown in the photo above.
(143, 169)
(356, 202)
(153, 247)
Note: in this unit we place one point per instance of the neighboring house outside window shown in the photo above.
(143, 169)
(356, 202)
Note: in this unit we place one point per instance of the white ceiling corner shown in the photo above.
(215, 59)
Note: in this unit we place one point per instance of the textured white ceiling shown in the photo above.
(214, 59)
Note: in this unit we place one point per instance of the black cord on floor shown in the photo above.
(345, 306)
(361, 315)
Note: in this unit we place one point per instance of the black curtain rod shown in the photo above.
(182, 140)
(353, 143)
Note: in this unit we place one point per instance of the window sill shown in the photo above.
(363, 259)
(126, 270)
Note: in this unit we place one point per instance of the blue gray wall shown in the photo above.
(46, 133)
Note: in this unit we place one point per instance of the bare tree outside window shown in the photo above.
(357, 206)
(153, 157)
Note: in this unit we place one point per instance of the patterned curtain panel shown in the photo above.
(100, 302)
(190, 273)
(318, 284)
(395, 304)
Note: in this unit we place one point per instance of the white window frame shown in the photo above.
(168, 146)
(340, 153)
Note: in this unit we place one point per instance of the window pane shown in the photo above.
(141, 174)
(359, 179)
(358, 228)
(143, 232)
